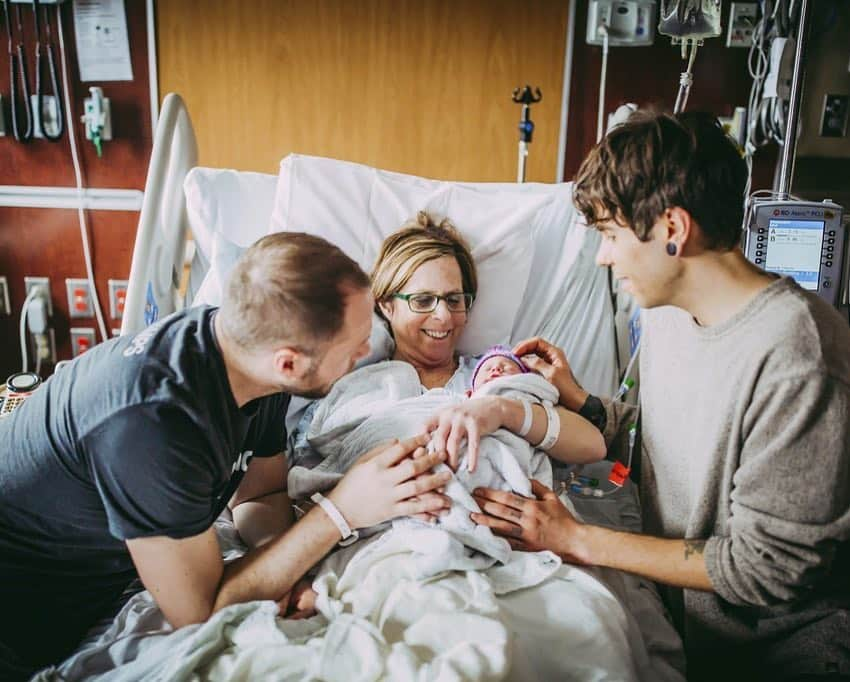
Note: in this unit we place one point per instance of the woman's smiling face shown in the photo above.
(428, 339)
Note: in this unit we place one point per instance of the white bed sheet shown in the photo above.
(581, 624)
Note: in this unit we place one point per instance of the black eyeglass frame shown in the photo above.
(468, 300)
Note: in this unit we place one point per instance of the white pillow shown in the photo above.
(233, 204)
(356, 207)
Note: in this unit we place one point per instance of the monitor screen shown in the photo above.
(794, 249)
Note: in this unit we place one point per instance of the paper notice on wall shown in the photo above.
(103, 48)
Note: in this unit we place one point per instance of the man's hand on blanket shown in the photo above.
(531, 525)
(393, 480)
(550, 361)
(471, 420)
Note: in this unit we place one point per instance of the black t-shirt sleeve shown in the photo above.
(154, 471)
(269, 426)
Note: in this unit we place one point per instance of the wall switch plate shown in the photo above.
(743, 17)
(833, 122)
(49, 115)
(79, 298)
(5, 308)
(44, 282)
(628, 22)
(117, 297)
(82, 339)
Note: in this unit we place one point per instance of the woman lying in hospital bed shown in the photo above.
(424, 284)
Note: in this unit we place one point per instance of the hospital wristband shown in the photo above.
(553, 428)
(348, 535)
(527, 419)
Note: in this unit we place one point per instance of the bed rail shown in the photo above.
(157, 264)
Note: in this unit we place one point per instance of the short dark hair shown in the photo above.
(289, 287)
(655, 161)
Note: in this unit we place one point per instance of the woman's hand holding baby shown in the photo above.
(472, 420)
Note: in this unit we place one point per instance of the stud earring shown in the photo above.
(671, 249)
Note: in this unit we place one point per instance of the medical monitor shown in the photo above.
(803, 240)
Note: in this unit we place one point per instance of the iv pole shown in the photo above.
(790, 147)
(526, 125)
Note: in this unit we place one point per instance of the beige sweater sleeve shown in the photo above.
(790, 505)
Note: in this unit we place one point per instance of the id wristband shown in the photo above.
(348, 536)
(553, 428)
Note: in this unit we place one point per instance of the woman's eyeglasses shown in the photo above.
(427, 303)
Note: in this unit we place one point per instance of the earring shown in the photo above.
(671, 249)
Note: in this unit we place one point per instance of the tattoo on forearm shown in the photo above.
(693, 547)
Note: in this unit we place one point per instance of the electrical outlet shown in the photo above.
(743, 17)
(43, 282)
(82, 339)
(117, 296)
(79, 298)
(51, 348)
(5, 308)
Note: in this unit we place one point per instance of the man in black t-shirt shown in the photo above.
(119, 465)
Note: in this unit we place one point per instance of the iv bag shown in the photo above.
(691, 20)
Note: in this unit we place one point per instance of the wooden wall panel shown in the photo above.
(418, 86)
(46, 242)
(650, 76)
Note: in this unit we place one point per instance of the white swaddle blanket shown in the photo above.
(377, 403)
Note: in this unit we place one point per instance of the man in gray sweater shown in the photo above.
(745, 417)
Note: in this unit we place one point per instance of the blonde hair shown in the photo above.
(289, 287)
(418, 241)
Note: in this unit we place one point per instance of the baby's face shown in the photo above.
(495, 367)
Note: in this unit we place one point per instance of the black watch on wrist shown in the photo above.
(594, 411)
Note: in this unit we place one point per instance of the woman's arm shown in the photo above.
(578, 440)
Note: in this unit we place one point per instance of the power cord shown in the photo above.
(72, 139)
(34, 315)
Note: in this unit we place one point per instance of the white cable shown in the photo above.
(603, 78)
(30, 296)
(72, 139)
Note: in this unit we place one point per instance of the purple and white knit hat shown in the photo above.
(498, 350)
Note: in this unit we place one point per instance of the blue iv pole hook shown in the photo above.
(526, 97)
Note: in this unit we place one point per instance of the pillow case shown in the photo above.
(356, 207)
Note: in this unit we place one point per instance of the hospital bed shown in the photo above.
(537, 277)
